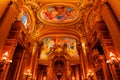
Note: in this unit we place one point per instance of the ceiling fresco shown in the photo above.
(58, 13)
(50, 44)
(24, 19)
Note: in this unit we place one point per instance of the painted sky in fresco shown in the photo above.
(58, 13)
(49, 44)
(24, 19)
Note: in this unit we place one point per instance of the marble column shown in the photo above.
(33, 62)
(35, 66)
(9, 46)
(107, 48)
(6, 22)
(77, 73)
(112, 24)
(3, 6)
(68, 70)
(105, 68)
(115, 5)
(84, 60)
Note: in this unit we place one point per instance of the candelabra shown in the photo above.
(28, 74)
(113, 59)
(73, 77)
(44, 78)
(4, 61)
(90, 74)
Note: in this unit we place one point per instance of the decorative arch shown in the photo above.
(91, 14)
(27, 17)
(59, 66)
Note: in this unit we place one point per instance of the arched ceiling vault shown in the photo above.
(72, 27)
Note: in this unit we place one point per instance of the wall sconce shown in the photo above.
(44, 78)
(113, 59)
(27, 74)
(83, 44)
(5, 59)
(73, 77)
(90, 74)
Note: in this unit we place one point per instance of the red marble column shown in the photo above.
(77, 74)
(112, 24)
(6, 22)
(33, 64)
(3, 6)
(115, 4)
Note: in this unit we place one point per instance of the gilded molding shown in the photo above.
(59, 31)
(67, 23)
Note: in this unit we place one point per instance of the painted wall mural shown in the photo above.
(50, 44)
(24, 19)
(58, 13)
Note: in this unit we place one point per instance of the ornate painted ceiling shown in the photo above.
(58, 13)
(39, 13)
(59, 44)
(54, 22)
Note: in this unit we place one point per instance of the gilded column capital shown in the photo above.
(34, 47)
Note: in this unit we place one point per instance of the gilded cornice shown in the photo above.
(61, 1)
(59, 31)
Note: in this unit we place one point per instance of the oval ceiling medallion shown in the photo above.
(58, 13)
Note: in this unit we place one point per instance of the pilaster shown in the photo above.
(84, 60)
(33, 62)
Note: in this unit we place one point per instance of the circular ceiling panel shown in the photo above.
(58, 13)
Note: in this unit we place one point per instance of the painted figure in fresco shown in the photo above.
(58, 42)
(48, 45)
(44, 50)
(71, 46)
(50, 13)
(58, 13)
(65, 43)
(61, 14)
(70, 12)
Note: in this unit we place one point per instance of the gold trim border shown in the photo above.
(60, 23)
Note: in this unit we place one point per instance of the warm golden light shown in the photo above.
(44, 78)
(113, 59)
(73, 77)
(83, 45)
(27, 74)
(6, 53)
(5, 59)
(90, 73)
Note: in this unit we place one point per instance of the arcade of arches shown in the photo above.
(59, 39)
